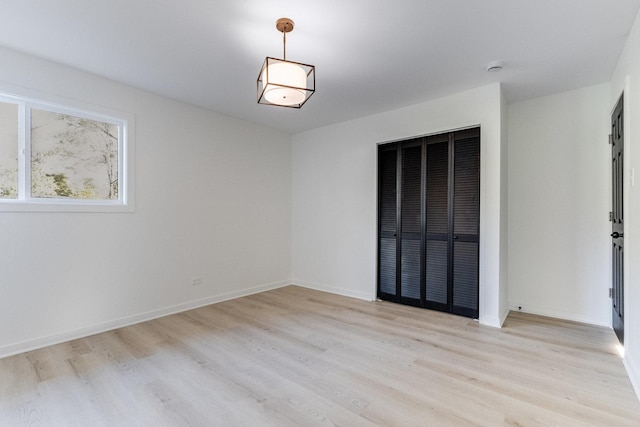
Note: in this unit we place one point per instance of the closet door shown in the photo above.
(400, 213)
(387, 222)
(411, 222)
(437, 226)
(429, 221)
(465, 222)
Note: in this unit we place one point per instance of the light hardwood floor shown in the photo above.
(294, 356)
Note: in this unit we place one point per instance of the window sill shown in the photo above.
(64, 206)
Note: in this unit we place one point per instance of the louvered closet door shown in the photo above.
(437, 226)
(429, 221)
(466, 222)
(387, 222)
(411, 223)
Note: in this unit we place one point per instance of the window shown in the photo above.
(55, 158)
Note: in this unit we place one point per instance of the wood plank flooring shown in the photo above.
(296, 357)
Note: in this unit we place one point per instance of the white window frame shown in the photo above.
(25, 203)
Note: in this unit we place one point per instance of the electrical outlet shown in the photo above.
(196, 281)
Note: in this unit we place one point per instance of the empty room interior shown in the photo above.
(411, 213)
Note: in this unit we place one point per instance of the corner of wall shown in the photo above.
(626, 79)
(504, 210)
(335, 290)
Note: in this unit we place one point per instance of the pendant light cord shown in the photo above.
(284, 45)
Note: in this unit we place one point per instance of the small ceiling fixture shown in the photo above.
(285, 83)
(495, 66)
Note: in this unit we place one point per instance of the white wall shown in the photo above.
(627, 78)
(213, 199)
(559, 201)
(334, 194)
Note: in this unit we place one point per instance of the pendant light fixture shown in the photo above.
(285, 83)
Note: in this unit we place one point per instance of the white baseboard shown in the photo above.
(504, 316)
(557, 314)
(334, 290)
(33, 344)
(633, 371)
(493, 321)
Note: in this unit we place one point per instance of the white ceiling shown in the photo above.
(370, 55)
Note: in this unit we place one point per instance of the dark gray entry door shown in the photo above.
(617, 220)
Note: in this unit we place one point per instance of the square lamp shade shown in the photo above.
(285, 83)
